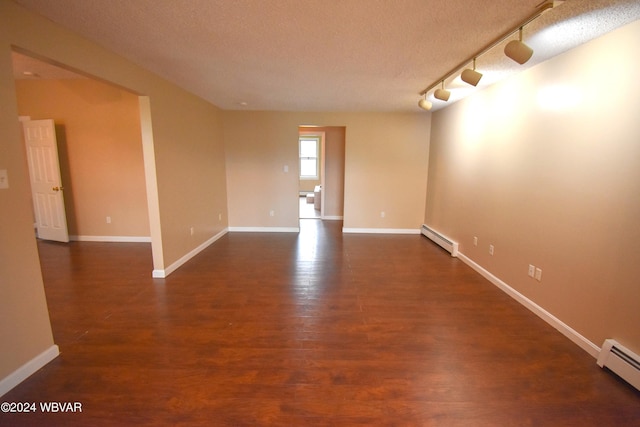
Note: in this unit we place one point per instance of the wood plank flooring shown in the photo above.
(315, 329)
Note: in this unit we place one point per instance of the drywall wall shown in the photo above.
(307, 185)
(334, 168)
(100, 150)
(25, 331)
(386, 156)
(546, 167)
(187, 152)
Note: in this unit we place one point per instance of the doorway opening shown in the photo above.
(106, 150)
(321, 172)
(99, 151)
(310, 151)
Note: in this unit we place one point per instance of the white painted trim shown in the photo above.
(151, 182)
(265, 229)
(28, 369)
(126, 239)
(562, 327)
(382, 230)
(161, 274)
(332, 218)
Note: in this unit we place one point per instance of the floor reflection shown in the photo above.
(307, 249)
(307, 210)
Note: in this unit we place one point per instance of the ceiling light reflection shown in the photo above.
(566, 34)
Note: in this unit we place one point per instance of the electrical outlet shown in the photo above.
(192, 230)
(108, 220)
(532, 270)
(475, 241)
(272, 213)
(382, 214)
(490, 249)
(4, 179)
(538, 274)
(219, 217)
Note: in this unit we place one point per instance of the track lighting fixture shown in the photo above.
(517, 50)
(471, 76)
(424, 103)
(442, 94)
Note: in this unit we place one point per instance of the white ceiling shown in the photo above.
(324, 55)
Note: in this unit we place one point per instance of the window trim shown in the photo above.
(317, 139)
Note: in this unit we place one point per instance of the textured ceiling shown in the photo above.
(325, 55)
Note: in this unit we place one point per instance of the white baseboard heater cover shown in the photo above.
(621, 361)
(440, 239)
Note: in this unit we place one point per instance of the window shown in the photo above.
(309, 150)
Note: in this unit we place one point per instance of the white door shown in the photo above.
(46, 185)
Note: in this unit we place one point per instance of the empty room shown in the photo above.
(472, 252)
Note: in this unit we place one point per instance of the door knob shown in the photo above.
(57, 188)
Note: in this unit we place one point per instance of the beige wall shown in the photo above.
(334, 170)
(552, 179)
(25, 331)
(100, 152)
(385, 167)
(189, 159)
(308, 185)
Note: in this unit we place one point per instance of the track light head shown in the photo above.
(518, 51)
(442, 94)
(424, 104)
(471, 76)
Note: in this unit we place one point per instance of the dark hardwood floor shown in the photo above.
(313, 329)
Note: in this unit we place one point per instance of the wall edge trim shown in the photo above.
(161, 274)
(28, 369)
(265, 229)
(381, 230)
(119, 239)
(556, 323)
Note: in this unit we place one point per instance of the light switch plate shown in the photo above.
(538, 274)
(4, 179)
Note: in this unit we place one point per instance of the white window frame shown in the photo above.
(316, 139)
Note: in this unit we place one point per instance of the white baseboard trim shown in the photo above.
(382, 230)
(119, 239)
(265, 229)
(28, 369)
(562, 327)
(333, 218)
(161, 274)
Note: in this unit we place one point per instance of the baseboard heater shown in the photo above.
(621, 361)
(440, 239)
